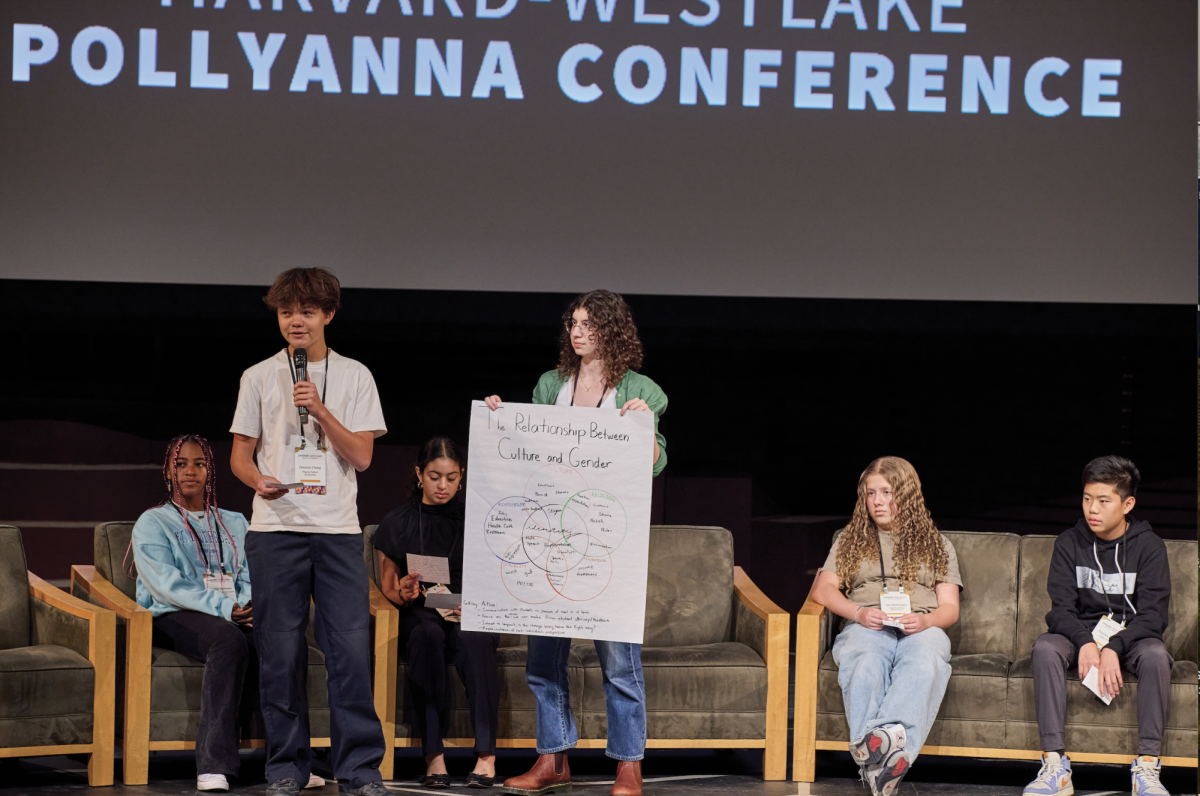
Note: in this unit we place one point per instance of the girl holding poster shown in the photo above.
(894, 578)
(599, 355)
(431, 524)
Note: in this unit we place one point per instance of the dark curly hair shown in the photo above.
(617, 342)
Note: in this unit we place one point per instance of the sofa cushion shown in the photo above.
(689, 586)
(175, 688)
(14, 590)
(517, 717)
(110, 543)
(988, 602)
(976, 691)
(1034, 602)
(724, 677)
(44, 681)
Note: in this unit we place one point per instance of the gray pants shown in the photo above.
(1054, 655)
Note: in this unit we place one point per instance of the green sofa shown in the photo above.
(988, 710)
(158, 691)
(715, 659)
(57, 668)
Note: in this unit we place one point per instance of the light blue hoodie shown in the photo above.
(171, 569)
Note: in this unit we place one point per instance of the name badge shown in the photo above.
(310, 466)
(1105, 629)
(222, 583)
(895, 604)
(440, 588)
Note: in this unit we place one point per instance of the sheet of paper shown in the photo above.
(558, 521)
(432, 569)
(1092, 681)
(447, 602)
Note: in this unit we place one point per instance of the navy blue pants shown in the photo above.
(286, 570)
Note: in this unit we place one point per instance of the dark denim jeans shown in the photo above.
(624, 696)
(227, 652)
(286, 570)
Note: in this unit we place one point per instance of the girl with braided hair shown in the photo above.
(192, 575)
(893, 577)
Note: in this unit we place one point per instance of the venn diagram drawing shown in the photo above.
(557, 539)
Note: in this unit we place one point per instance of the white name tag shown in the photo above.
(447, 614)
(310, 466)
(222, 583)
(895, 604)
(1105, 629)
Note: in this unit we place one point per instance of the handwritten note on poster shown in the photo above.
(558, 521)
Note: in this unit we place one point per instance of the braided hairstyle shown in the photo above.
(212, 515)
(436, 448)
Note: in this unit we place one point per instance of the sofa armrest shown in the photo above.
(385, 642)
(103, 592)
(57, 618)
(764, 627)
(812, 638)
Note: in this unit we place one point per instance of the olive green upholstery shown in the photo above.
(48, 680)
(175, 680)
(1091, 725)
(989, 699)
(703, 656)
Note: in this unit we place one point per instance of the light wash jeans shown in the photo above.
(890, 678)
(624, 696)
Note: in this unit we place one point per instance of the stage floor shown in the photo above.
(667, 772)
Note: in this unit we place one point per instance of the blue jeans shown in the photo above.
(890, 678)
(287, 569)
(624, 696)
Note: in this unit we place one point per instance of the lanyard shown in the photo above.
(1104, 586)
(603, 389)
(324, 392)
(882, 573)
(203, 554)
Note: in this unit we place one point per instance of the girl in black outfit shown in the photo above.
(432, 525)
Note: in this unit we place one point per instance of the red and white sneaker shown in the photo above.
(885, 780)
(876, 745)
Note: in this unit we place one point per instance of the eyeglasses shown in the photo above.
(587, 326)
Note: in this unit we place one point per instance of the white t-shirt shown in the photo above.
(265, 411)
(585, 398)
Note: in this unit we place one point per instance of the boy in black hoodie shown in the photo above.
(1109, 587)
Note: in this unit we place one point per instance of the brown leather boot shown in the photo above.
(629, 778)
(550, 774)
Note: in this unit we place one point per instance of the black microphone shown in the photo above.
(301, 361)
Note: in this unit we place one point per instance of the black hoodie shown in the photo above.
(1077, 602)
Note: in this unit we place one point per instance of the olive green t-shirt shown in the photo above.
(867, 584)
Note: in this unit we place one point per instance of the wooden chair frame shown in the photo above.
(809, 649)
(134, 738)
(102, 648)
(774, 746)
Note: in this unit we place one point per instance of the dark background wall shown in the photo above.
(776, 405)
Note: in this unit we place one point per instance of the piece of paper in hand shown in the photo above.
(1092, 681)
(446, 602)
(432, 569)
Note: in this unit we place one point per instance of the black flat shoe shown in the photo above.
(479, 781)
(436, 781)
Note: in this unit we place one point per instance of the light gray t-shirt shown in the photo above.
(867, 584)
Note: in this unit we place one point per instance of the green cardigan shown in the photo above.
(632, 385)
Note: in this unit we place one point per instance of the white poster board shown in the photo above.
(558, 521)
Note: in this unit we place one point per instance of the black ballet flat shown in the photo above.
(479, 781)
(436, 781)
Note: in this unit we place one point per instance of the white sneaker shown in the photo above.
(1054, 778)
(314, 782)
(212, 782)
(877, 745)
(1145, 776)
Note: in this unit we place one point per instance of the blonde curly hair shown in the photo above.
(917, 539)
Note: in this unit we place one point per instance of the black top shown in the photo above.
(425, 531)
(1139, 558)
